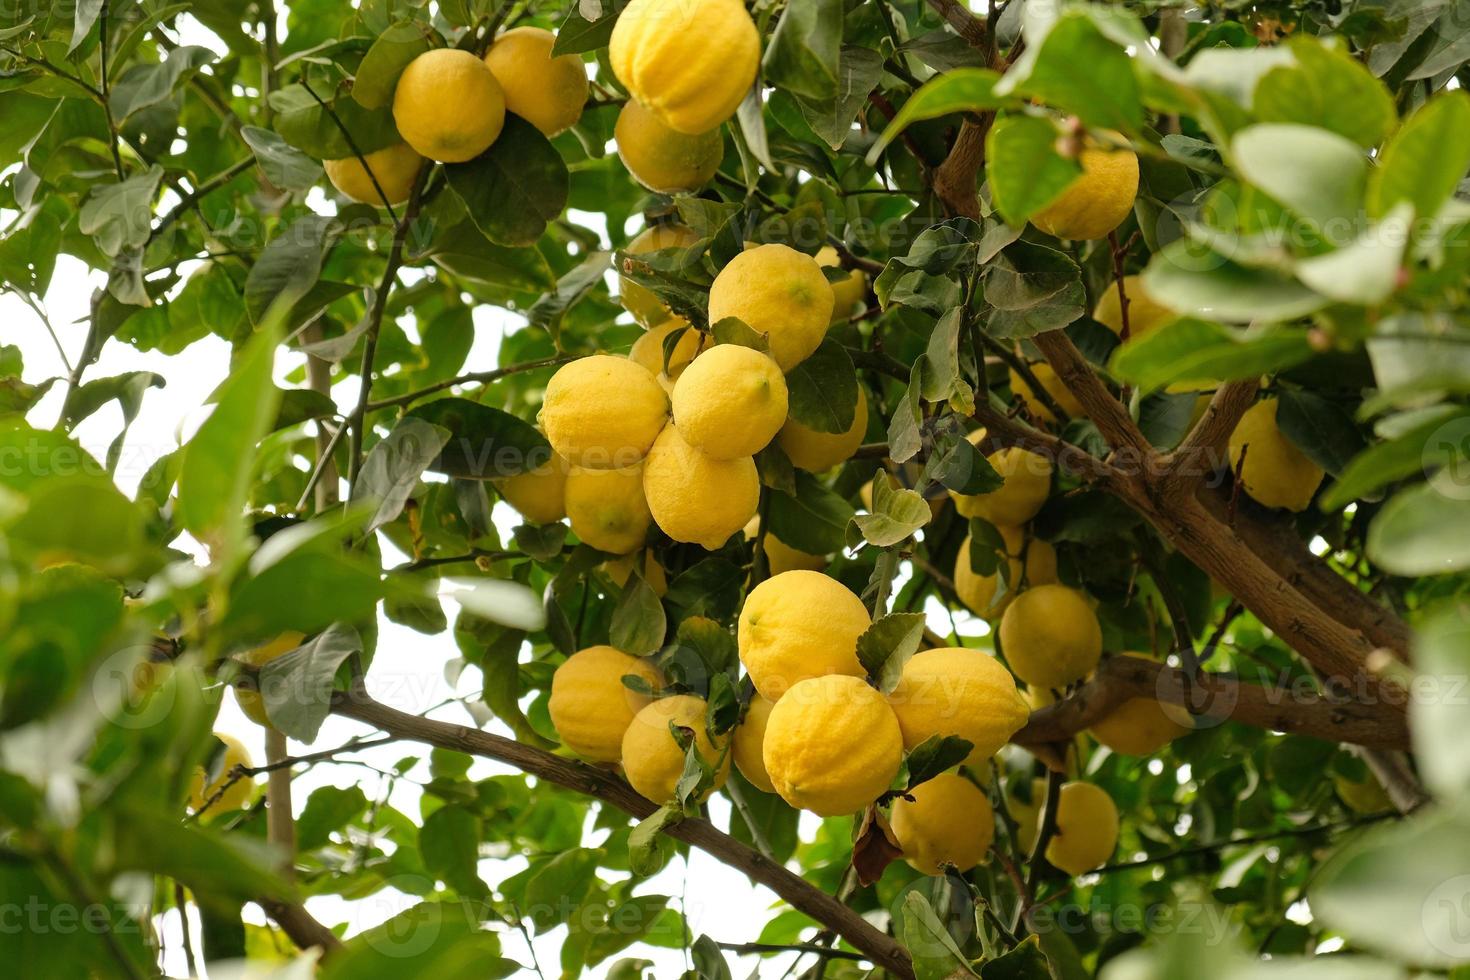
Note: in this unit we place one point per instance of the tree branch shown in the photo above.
(1203, 451)
(305, 931)
(1111, 418)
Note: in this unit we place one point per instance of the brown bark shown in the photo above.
(305, 931)
(956, 180)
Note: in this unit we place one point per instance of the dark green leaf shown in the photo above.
(935, 755)
(814, 521)
(638, 621)
(823, 389)
(887, 644)
(515, 188)
(283, 164)
(377, 73)
(484, 442)
(393, 467)
(297, 687)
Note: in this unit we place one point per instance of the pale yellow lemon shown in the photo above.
(395, 167)
(956, 691)
(232, 793)
(548, 92)
(1087, 829)
(1275, 472)
(540, 494)
(607, 508)
(448, 105)
(749, 744)
(730, 402)
(978, 591)
(797, 625)
(779, 293)
(661, 158)
(695, 498)
(590, 706)
(1051, 636)
(249, 698)
(653, 760)
(817, 452)
(847, 293)
(949, 823)
(648, 349)
(603, 412)
(1027, 477)
(1098, 200)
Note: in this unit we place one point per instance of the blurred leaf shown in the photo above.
(1106, 95)
(1437, 712)
(1319, 175)
(1189, 351)
(450, 843)
(1424, 530)
(328, 809)
(1197, 282)
(311, 128)
(958, 90)
(1025, 171)
(1425, 160)
(1328, 88)
(1320, 428)
(297, 687)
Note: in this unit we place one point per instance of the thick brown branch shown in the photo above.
(601, 784)
(956, 180)
(964, 22)
(1203, 451)
(1111, 418)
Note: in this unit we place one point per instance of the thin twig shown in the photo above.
(477, 377)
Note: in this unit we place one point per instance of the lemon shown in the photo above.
(1053, 386)
(618, 569)
(949, 823)
(1275, 472)
(1097, 201)
(690, 61)
(797, 625)
(1027, 483)
(1138, 726)
(695, 498)
(603, 412)
(396, 167)
(647, 308)
(730, 402)
(1144, 312)
(540, 494)
(664, 159)
(607, 508)
(1087, 829)
(847, 294)
(591, 708)
(239, 791)
(977, 591)
(653, 760)
(781, 557)
(1366, 796)
(648, 349)
(547, 92)
(779, 292)
(1051, 636)
(749, 744)
(249, 699)
(832, 745)
(817, 452)
(955, 691)
(448, 105)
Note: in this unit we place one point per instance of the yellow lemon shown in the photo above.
(1053, 386)
(817, 452)
(1087, 829)
(797, 625)
(1361, 797)
(1051, 636)
(832, 745)
(653, 760)
(949, 823)
(781, 557)
(396, 167)
(591, 707)
(648, 349)
(730, 402)
(695, 498)
(618, 569)
(607, 508)
(249, 699)
(955, 691)
(1097, 201)
(1138, 726)
(603, 412)
(664, 159)
(232, 795)
(1275, 472)
(1027, 483)
(647, 308)
(749, 744)
(977, 591)
(547, 92)
(779, 292)
(448, 105)
(847, 293)
(1144, 312)
(690, 61)
(540, 494)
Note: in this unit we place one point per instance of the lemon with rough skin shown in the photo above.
(233, 795)
(977, 591)
(832, 745)
(618, 569)
(603, 412)
(817, 452)
(956, 691)
(847, 294)
(1138, 726)
(1087, 829)
(1051, 636)
(749, 744)
(1098, 200)
(590, 706)
(647, 308)
(950, 823)
(1027, 484)
(607, 508)
(548, 92)
(648, 349)
(1052, 385)
(1145, 313)
(653, 760)
(448, 105)
(396, 167)
(695, 498)
(730, 402)
(539, 494)
(249, 698)
(663, 159)
(779, 292)
(1275, 472)
(797, 625)
(690, 61)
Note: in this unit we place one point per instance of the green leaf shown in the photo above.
(905, 437)
(964, 469)
(484, 442)
(393, 468)
(1429, 444)
(887, 644)
(120, 216)
(515, 188)
(328, 809)
(958, 90)
(297, 687)
(288, 267)
(1319, 175)
(733, 330)
(897, 513)
(1025, 171)
(859, 72)
(823, 389)
(802, 54)
(1322, 429)
(936, 754)
(1032, 289)
(1106, 94)
(1365, 272)
(1329, 88)
(1426, 159)
(377, 73)
(557, 887)
(814, 521)
(638, 621)
(318, 131)
(450, 844)
(1415, 354)
(1188, 351)
(571, 287)
(200, 859)
(578, 34)
(648, 849)
(440, 939)
(1198, 282)
(1424, 530)
(283, 164)
(1437, 715)
(932, 948)
(142, 86)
